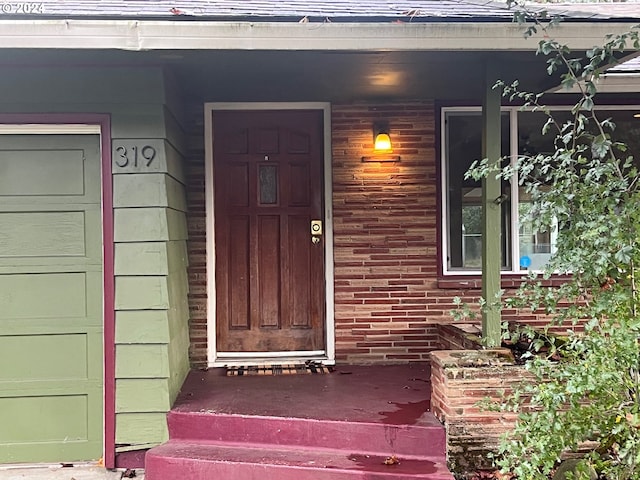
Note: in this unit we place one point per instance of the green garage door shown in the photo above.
(51, 362)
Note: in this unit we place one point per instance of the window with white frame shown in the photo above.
(521, 134)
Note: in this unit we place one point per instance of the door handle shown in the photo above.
(316, 231)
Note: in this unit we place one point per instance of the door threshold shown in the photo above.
(253, 360)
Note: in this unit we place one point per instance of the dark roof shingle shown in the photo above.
(296, 10)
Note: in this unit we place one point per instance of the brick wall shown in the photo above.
(461, 336)
(459, 380)
(388, 298)
(196, 244)
(385, 216)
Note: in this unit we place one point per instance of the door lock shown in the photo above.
(316, 228)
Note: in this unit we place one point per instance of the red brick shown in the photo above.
(385, 224)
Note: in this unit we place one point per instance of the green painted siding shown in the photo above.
(153, 156)
(142, 326)
(178, 361)
(152, 341)
(150, 258)
(140, 395)
(149, 224)
(142, 293)
(179, 332)
(151, 281)
(144, 429)
(141, 258)
(142, 361)
(140, 190)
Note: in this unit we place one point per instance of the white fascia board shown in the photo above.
(620, 83)
(139, 35)
(608, 83)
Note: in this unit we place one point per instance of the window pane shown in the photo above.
(536, 247)
(627, 131)
(464, 196)
(531, 140)
(268, 184)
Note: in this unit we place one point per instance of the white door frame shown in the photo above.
(219, 359)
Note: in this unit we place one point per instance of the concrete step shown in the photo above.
(180, 459)
(424, 437)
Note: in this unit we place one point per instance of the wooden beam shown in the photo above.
(491, 191)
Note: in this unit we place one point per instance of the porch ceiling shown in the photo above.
(452, 76)
(348, 75)
(332, 76)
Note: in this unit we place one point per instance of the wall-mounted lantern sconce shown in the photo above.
(381, 145)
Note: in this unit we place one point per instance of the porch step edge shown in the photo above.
(177, 460)
(426, 438)
(295, 448)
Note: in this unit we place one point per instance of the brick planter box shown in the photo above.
(459, 380)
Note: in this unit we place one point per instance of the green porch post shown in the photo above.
(491, 191)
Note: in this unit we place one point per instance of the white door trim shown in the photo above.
(218, 359)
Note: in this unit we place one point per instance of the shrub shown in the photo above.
(588, 391)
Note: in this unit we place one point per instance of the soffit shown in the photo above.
(334, 76)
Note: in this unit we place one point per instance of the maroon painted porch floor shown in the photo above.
(332, 426)
(393, 394)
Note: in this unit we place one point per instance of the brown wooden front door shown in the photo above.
(268, 180)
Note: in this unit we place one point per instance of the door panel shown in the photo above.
(51, 385)
(268, 182)
(269, 263)
(238, 272)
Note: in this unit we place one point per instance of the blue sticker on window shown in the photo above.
(525, 261)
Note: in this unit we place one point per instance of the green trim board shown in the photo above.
(51, 329)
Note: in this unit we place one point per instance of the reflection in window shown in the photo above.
(536, 247)
(522, 246)
(464, 201)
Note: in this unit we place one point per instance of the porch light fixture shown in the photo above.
(381, 145)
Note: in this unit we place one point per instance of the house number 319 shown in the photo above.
(134, 156)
